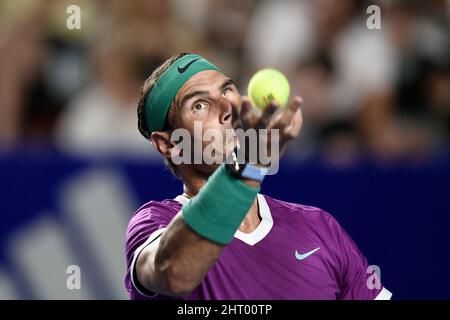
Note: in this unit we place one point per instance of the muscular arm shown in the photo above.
(176, 263)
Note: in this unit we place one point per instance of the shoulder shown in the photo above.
(299, 211)
(154, 211)
(305, 219)
(148, 218)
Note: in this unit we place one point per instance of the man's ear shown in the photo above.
(161, 142)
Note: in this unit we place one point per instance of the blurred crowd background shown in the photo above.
(382, 94)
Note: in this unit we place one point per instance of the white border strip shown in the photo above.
(384, 294)
(150, 239)
(182, 199)
(261, 230)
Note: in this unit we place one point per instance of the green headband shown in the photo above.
(164, 90)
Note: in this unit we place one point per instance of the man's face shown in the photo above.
(211, 100)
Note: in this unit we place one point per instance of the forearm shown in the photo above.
(194, 239)
(183, 258)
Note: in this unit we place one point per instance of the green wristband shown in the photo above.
(219, 208)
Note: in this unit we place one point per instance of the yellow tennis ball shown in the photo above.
(268, 85)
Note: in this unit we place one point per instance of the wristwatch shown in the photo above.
(244, 170)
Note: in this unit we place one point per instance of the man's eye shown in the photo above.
(226, 90)
(199, 106)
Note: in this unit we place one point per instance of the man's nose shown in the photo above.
(226, 110)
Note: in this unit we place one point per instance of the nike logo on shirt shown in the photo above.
(303, 256)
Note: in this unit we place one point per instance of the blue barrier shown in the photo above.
(398, 215)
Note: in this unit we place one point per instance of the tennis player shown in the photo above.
(221, 238)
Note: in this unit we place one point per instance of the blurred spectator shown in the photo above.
(21, 52)
(357, 98)
(128, 43)
(42, 67)
(383, 93)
